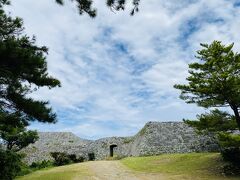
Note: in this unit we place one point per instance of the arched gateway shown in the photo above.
(112, 149)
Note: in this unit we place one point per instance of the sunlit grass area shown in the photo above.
(180, 166)
(197, 166)
(78, 171)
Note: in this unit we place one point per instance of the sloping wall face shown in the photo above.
(153, 139)
(170, 137)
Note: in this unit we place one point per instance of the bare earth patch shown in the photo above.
(114, 170)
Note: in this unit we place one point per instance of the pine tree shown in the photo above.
(23, 69)
(215, 80)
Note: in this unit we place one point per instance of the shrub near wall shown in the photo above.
(61, 158)
(41, 165)
(230, 150)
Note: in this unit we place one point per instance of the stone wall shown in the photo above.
(154, 138)
(54, 142)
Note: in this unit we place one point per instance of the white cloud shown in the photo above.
(117, 71)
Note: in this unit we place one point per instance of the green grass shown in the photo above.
(78, 171)
(197, 166)
(187, 166)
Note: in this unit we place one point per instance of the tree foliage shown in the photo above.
(215, 80)
(230, 151)
(61, 158)
(223, 127)
(13, 132)
(10, 164)
(214, 122)
(23, 69)
(22, 66)
(85, 6)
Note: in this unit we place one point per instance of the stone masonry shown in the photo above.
(153, 139)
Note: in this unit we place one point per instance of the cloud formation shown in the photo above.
(117, 71)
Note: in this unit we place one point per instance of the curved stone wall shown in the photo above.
(154, 138)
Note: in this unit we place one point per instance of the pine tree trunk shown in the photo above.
(237, 116)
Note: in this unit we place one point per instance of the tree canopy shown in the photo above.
(215, 80)
(85, 6)
(215, 121)
(23, 69)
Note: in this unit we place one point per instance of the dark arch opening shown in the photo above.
(91, 156)
(112, 149)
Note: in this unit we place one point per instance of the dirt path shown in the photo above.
(114, 170)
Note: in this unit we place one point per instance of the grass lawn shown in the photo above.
(78, 171)
(180, 166)
(191, 166)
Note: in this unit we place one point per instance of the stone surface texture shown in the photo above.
(153, 139)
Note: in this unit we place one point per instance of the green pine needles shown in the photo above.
(215, 80)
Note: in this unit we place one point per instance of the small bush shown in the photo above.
(81, 159)
(61, 158)
(230, 144)
(231, 169)
(231, 155)
(25, 169)
(74, 158)
(41, 165)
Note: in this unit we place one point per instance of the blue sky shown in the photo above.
(117, 72)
